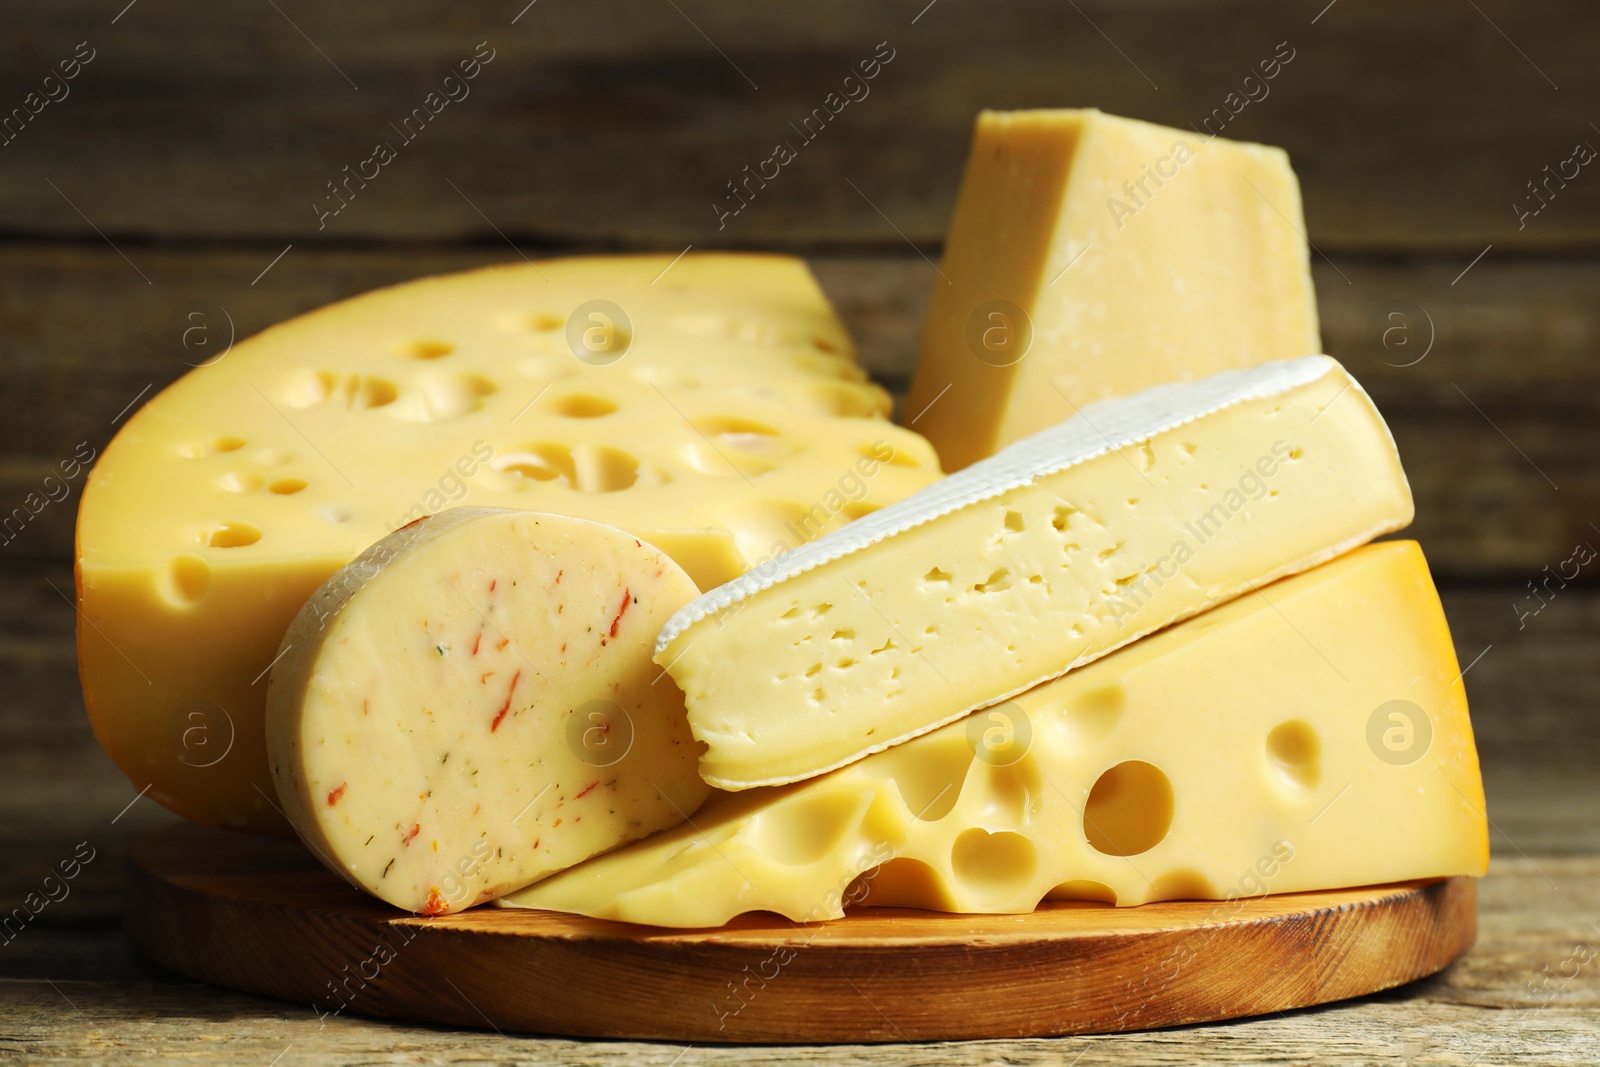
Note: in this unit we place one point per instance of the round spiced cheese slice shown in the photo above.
(470, 705)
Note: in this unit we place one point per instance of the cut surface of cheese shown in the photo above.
(467, 706)
(1136, 513)
(1094, 256)
(710, 406)
(1313, 735)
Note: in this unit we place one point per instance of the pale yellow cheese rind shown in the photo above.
(467, 706)
(1136, 254)
(734, 424)
(916, 629)
(1271, 720)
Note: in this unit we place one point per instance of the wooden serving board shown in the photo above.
(263, 916)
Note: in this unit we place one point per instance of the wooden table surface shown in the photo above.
(177, 171)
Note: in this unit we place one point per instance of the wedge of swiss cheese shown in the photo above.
(710, 406)
(1093, 256)
(1132, 515)
(467, 706)
(1309, 736)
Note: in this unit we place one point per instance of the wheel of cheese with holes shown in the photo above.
(709, 405)
(1313, 737)
(469, 705)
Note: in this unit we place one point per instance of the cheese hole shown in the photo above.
(240, 482)
(587, 468)
(1014, 790)
(708, 459)
(444, 395)
(1061, 519)
(901, 883)
(885, 819)
(193, 450)
(230, 535)
(998, 581)
(993, 866)
(272, 457)
(936, 575)
(603, 469)
(1014, 522)
(228, 444)
(187, 578)
(820, 366)
(1295, 752)
(1129, 809)
(1183, 885)
(822, 344)
(800, 833)
(529, 322)
(1091, 716)
(333, 514)
(287, 486)
(345, 389)
(427, 349)
(542, 462)
(734, 431)
(1083, 889)
(579, 405)
(859, 509)
(929, 781)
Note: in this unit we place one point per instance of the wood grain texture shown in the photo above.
(1413, 126)
(134, 1023)
(72, 991)
(197, 139)
(1507, 397)
(75, 994)
(265, 917)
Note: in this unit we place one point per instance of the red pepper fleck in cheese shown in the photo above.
(727, 421)
(508, 760)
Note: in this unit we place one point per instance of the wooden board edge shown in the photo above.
(334, 960)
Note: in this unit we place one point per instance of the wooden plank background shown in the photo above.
(180, 166)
